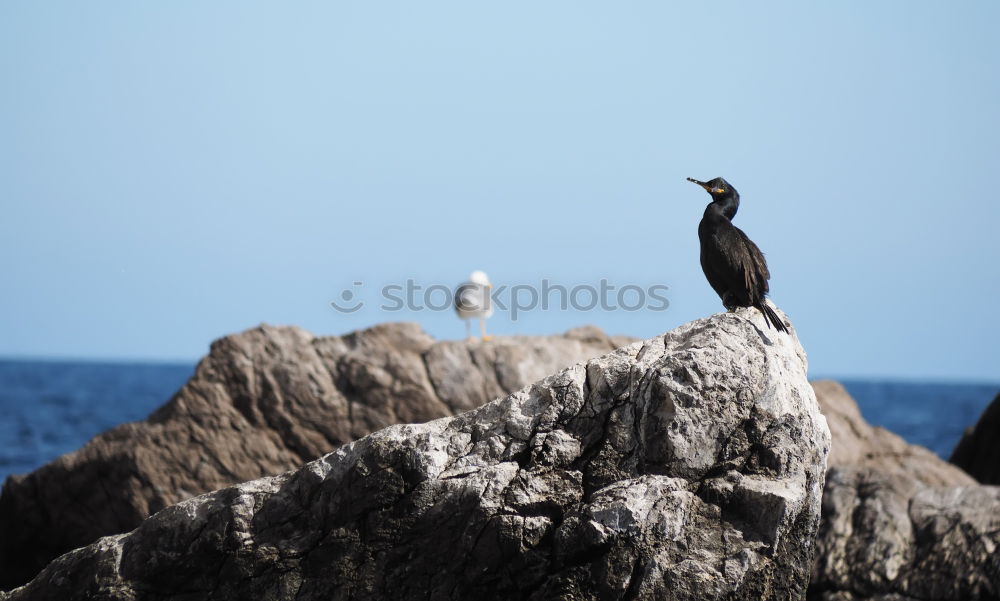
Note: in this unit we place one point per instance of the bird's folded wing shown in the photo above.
(744, 265)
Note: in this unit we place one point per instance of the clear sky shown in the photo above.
(172, 172)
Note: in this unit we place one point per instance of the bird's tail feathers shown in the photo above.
(771, 317)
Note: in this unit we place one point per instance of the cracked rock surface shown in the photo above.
(263, 402)
(688, 466)
(899, 523)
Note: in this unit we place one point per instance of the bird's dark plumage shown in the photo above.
(733, 264)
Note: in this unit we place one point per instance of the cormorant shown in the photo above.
(472, 300)
(733, 265)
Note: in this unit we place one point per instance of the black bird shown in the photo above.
(733, 264)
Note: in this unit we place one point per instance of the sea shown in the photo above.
(48, 408)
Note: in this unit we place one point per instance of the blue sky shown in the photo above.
(174, 172)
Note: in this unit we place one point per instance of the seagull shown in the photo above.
(472, 300)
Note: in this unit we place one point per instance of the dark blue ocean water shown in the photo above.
(48, 408)
(931, 414)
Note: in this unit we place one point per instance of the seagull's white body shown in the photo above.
(472, 301)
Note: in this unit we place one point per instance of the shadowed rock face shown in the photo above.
(859, 445)
(689, 466)
(898, 522)
(262, 402)
(978, 453)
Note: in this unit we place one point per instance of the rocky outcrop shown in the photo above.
(689, 466)
(859, 445)
(978, 452)
(898, 522)
(261, 403)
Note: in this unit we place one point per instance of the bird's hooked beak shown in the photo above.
(707, 188)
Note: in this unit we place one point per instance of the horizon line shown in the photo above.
(192, 362)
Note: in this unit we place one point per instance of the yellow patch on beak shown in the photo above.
(719, 191)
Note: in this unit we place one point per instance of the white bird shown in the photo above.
(472, 300)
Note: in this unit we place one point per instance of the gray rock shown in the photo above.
(261, 403)
(978, 452)
(857, 444)
(689, 466)
(898, 522)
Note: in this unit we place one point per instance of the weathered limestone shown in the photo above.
(898, 522)
(689, 466)
(261, 403)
